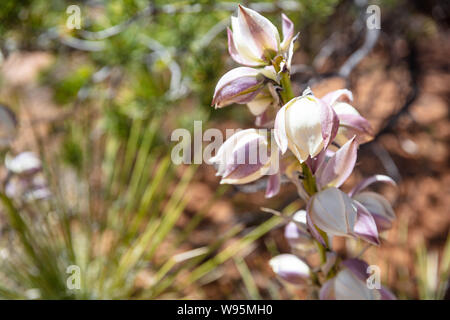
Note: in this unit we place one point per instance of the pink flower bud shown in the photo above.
(241, 85)
(290, 268)
(244, 158)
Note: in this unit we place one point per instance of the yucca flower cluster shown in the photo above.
(314, 145)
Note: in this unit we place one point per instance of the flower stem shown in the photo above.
(309, 181)
(287, 93)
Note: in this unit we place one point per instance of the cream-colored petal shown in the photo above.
(244, 43)
(303, 127)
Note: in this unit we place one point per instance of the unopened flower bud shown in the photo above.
(306, 126)
(290, 268)
(241, 85)
(243, 158)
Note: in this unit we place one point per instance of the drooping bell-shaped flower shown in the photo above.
(351, 284)
(244, 158)
(351, 123)
(241, 85)
(332, 211)
(306, 126)
(290, 268)
(346, 286)
(254, 40)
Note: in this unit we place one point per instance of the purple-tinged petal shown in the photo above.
(290, 268)
(338, 168)
(235, 54)
(262, 32)
(365, 226)
(332, 211)
(327, 291)
(280, 130)
(288, 31)
(380, 209)
(358, 267)
(348, 286)
(273, 185)
(241, 171)
(386, 294)
(338, 95)
(329, 121)
(368, 181)
(239, 85)
(382, 223)
(290, 52)
(241, 158)
(356, 125)
(241, 165)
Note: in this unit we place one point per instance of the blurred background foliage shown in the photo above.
(117, 87)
